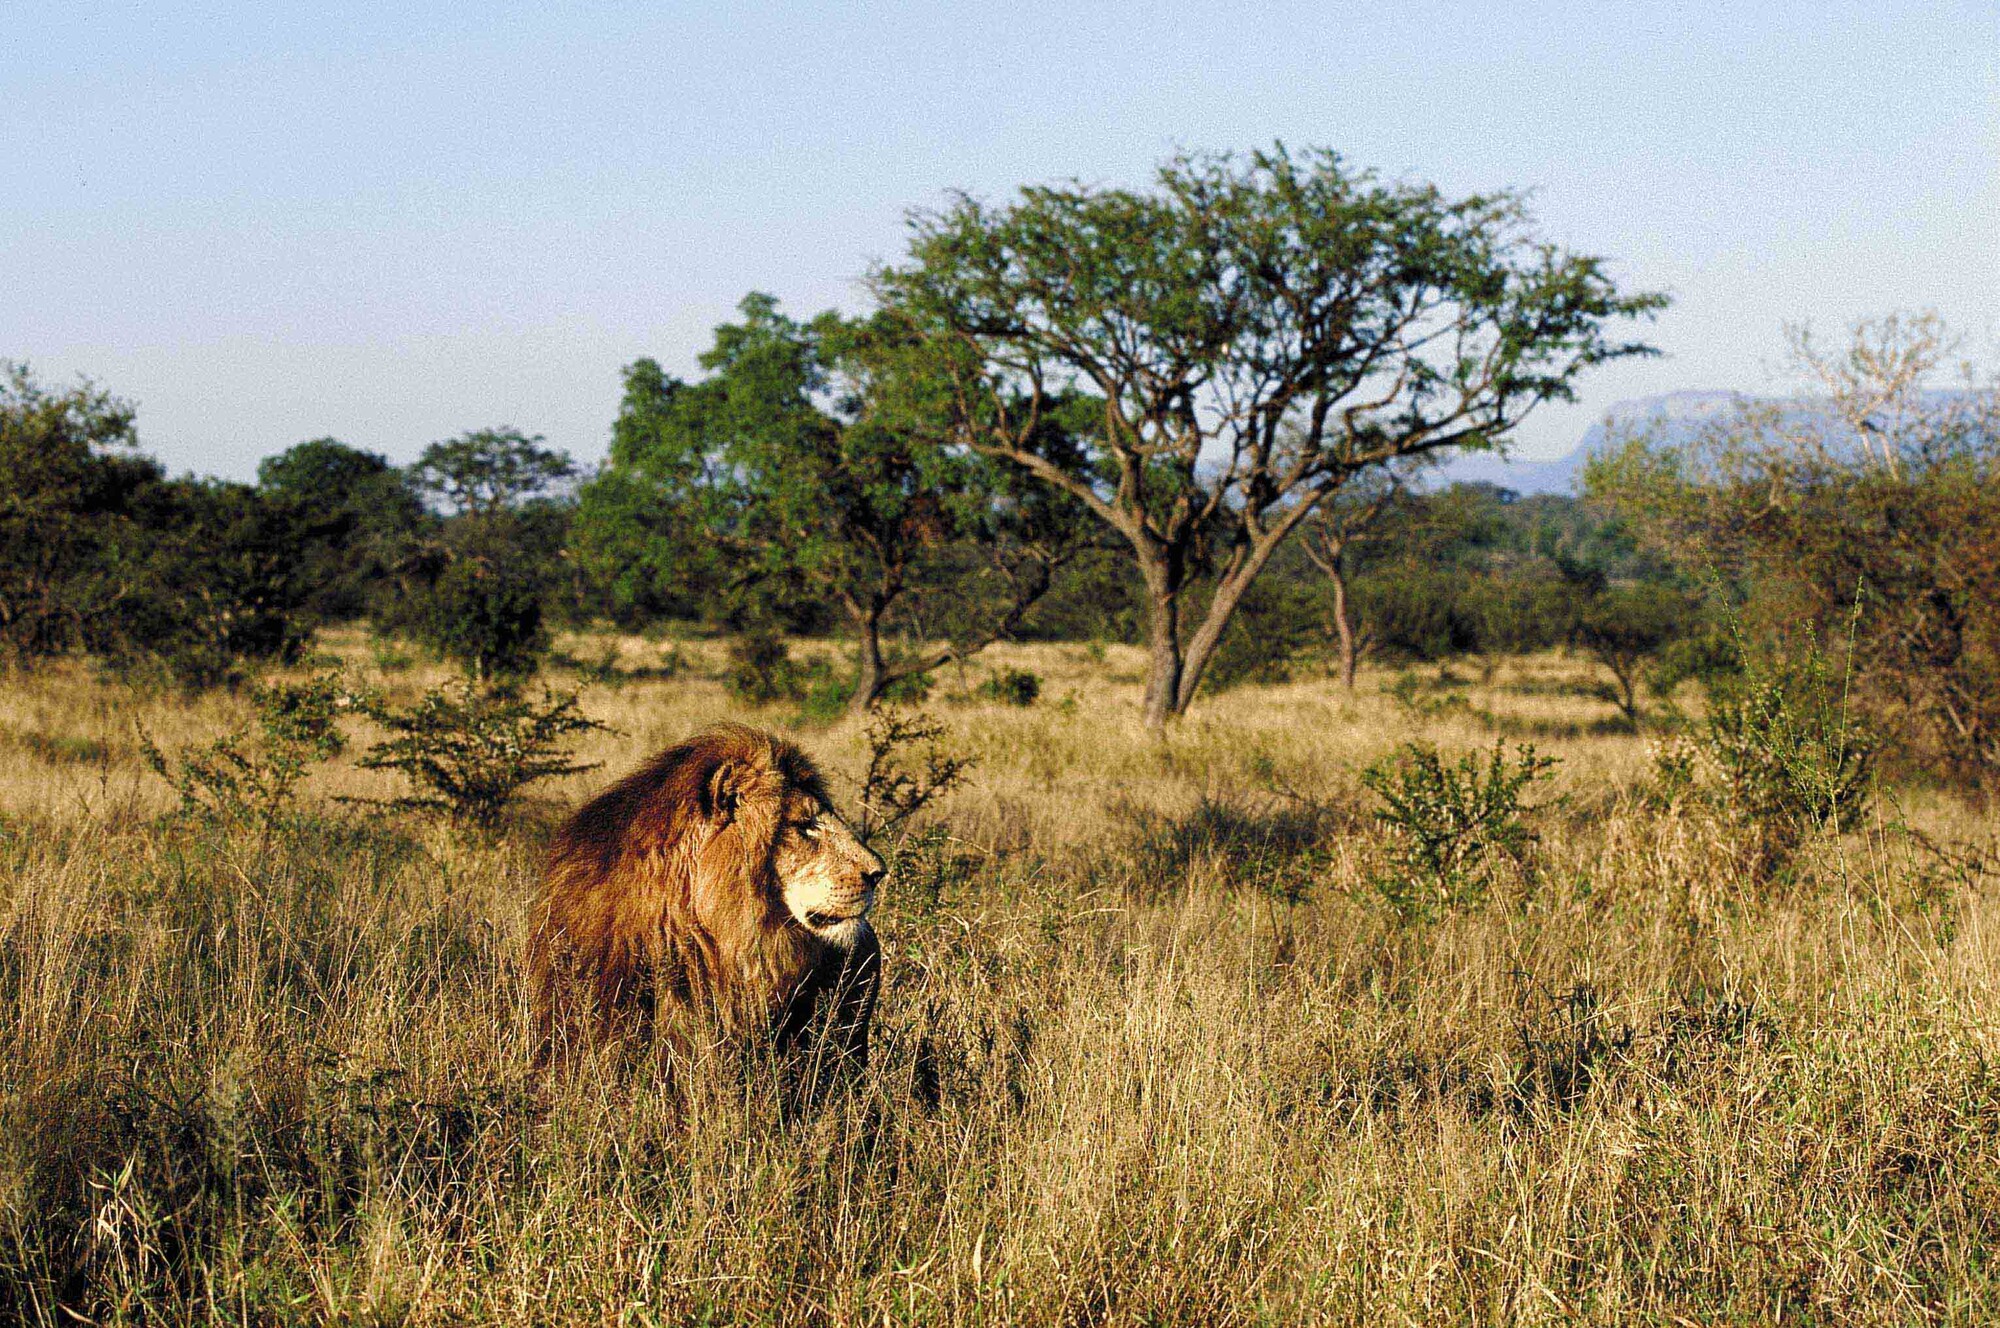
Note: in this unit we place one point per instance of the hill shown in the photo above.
(1675, 415)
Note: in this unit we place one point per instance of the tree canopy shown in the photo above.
(810, 464)
(1255, 331)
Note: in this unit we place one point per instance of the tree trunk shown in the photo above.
(1201, 646)
(869, 682)
(1243, 569)
(1163, 637)
(1342, 624)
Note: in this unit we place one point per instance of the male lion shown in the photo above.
(715, 881)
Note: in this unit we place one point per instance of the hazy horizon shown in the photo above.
(264, 227)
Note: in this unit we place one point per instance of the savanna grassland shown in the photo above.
(1152, 1047)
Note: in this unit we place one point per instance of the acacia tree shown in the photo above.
(809, 464)
(1257, 332)
(484, 472)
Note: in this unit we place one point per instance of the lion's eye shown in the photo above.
(810, 829)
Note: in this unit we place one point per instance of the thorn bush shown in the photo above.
(248, 778)
(468, 753)
(1450, 823)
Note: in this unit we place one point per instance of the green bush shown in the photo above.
(243, 781)
(1450, 824)
(1791, 758)
(468, 753)
(825, 696)
(484, 612)
(1016, 687)
(761, 669)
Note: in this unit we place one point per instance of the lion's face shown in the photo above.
(825, 873)
(771, 816)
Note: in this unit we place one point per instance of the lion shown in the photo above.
(716, 882)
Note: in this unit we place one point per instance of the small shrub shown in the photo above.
(1786, 756)
(892, 792)
(825, 698)
(1788, 748)
(1450, 824)
(1676, 775)
(1423, 698)
(824, 694)
(468, 753)
(239, 780)
(761, 669)
(1015, 687)
(910, 689)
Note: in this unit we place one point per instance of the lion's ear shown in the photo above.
(726, 788)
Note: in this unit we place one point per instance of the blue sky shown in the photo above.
(268, 222)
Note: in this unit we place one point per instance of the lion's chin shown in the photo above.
(843, 933)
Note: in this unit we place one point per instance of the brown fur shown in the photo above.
(666, 896)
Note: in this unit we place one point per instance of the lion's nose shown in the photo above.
(871, 879)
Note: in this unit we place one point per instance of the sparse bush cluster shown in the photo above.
(237, 780)
(469, 753)
(466, 752)
(1012, 686)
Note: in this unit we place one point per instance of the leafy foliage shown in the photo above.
(243, 781)
(811, 471)
(363, 513)
(213, 586)
(484, 610)
(1626, 626)
(1450, 824)
(1259, 331)
(480, 584)
(484, 472)
(1011, 686)
(1793, 757)
(762, 671)
(1879, 488)
(99, 552)
(468, 753)
(69, 473)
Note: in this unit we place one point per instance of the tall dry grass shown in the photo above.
(1121, 1077)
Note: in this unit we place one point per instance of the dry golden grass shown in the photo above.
(1116, 1081)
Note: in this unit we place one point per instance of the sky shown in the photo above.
(268, 222)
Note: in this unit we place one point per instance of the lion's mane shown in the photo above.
(661, 899)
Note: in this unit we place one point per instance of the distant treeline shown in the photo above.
(489, 540)
(1201, 418)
